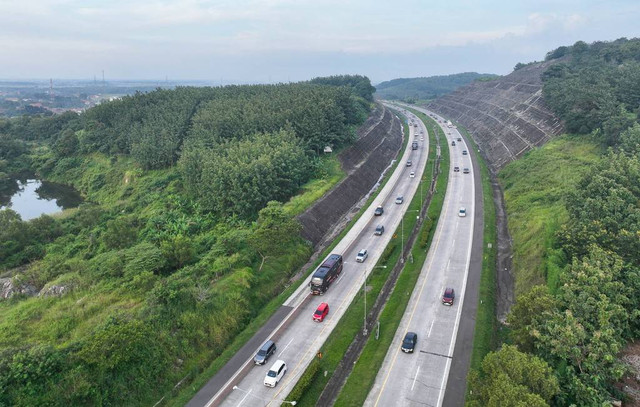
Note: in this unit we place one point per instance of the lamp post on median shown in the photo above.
(402, 233)
(365, 332)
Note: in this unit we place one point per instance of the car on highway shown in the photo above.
(414, 145)
(399, 199)
(459, 139)
(453, 142)
(266, 350)
(379, 230)
(275, 374)
(362, 256)
(412, 174)
(409, 163)
(321, 312)
(409, 342)
(448, 296)
(379, 211)
(465, 170)
(421, 138)
(464, 152)
(456, 169)
(462, 212)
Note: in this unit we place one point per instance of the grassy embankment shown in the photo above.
(312, 191)
(533, 188)
(313, 380)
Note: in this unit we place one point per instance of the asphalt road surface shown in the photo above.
(421, 378)
(298, 338)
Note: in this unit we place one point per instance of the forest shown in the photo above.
(565, 337)
(413, 89)
(167, 260)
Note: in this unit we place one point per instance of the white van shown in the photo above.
(276, 373)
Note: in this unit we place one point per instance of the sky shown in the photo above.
(269, 41)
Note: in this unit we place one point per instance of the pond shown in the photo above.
(31, 197)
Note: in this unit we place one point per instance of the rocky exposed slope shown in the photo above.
(379, 140)
(506, 116)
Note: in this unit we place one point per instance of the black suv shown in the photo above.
(268, 349)
(409, 342)
(379, 211)
(379, 230)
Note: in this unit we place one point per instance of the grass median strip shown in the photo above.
(318, 374)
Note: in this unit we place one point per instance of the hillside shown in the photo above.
(574, 217)
(181, 242)
(412, 89)
(507, 116)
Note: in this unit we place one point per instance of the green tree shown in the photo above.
(509, 377)
(274, 232)
(528, 312)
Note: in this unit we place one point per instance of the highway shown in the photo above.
(420, 378)
(298, 338)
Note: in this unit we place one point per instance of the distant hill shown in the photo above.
(426, 88)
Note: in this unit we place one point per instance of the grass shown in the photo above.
(350, 324)
(313, 190)
(534, 188)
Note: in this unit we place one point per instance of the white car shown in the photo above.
(276, 373)
(462, 212)
(362, 256)
(399, 199)
(412, 174)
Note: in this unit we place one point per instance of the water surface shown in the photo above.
(31, 197)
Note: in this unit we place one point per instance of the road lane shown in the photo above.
(420, 378)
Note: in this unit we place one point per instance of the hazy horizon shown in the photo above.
(271, 41)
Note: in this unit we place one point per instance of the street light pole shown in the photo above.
(402, 233)
(365, 332)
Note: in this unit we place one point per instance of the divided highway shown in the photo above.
(420, 378)
(298, 337)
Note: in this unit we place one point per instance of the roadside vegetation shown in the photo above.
(574, 214)
(181, 242)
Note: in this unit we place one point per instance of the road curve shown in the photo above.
(423, 377)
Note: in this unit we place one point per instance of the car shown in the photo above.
(379, 211)
(462, 212)
(449, 133)
(448, 296)
(465, 170)
(362, 256)
(412, 174)
(399, 199)
(409, 342)
(421, 138)
(464, 152)
(409, 163)
(266, 350)
(453, 142)
(414, 145)
(379, 230)
(459, 139)
(275, 374)
(321, 312)
(456, 169)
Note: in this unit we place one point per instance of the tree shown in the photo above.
(509, 377)
(274, 232)
(526, 315)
